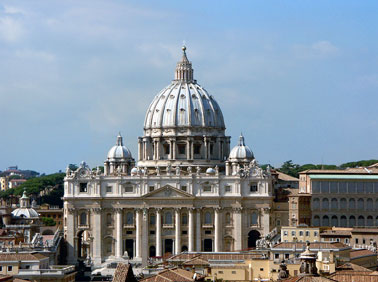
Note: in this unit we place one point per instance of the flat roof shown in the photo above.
(345, 176)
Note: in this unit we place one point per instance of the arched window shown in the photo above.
(343, 221)
(334, 204)
(83, 218)
(361, 221)
(369, 204)
(184, 219)
(316, 220)
(361, 204)
(369, 221)
(129, 218)
(325, 221)
(168, 218)
(334, 221)
(228, 218)
(352, 204)
(316, 204)
(343, 204)
(208, 219)
(254, 218)
(325, 204)
(352, 221)
(109, 219)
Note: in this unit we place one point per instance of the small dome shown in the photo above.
(241, 152)
(134, 171)
(210, 170)
(25, 213)
(119, 151)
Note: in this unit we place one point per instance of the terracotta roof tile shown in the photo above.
(21, 257)
(124, 272)
(361, 253)
(171, 275)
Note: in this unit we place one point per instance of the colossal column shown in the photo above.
(70, 235)
(118, 245)
(238, 229)
(177, 231)
(97, 235)
(158, 233)
(198, 231)
(138, 234)
(191, 230)
(217, 239)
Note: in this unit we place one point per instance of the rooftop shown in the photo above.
(314, 246)
(22, 257)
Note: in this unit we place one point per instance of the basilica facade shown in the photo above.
(187, 192)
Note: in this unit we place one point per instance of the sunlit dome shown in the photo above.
(184, 103)
(241, 152)
(25, 211)
(119, 151)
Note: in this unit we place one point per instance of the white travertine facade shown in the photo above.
(186, 193)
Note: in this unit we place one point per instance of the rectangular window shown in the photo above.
(208, 232)
(285, 233)
(10, 268)
(129, 189)
(227, 188)
(152, 232)
(129, 232)
(151, 188)
(166, 149)
(253, 187)
(233, 272)
(315, 233)
(315, 187)
(261, 269)
(307, 233)
(184, 232)
(1, 268)
(293, 233)
(181, 149)
(183, 188)
(197, 149)
(83, 187)
(109, 189)
(220, 272)
(287, 256)
(356, 240)
(325, 187)
(300, 233)
(207, 188)
(276, 256)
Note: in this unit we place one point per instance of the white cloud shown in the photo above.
(319, 49)
(11, 30)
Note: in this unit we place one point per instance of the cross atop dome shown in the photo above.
(119, 140)
(184, 70)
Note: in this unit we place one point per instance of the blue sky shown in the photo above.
(298, 78)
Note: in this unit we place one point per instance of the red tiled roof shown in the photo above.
(361, 253)
(123, 273)
(171, 275)
(22, 256)
(315, 245)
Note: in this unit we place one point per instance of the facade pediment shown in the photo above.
(168, 192)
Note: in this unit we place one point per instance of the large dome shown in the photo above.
(184, 103)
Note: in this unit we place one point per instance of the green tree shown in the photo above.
(290, 168)
(48, 221)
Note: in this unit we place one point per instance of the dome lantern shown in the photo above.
(184, 70)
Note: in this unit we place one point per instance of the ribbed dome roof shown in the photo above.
(184, 103)
(25, 212)
(119, 151)
(241, 152)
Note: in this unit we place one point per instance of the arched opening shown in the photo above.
(184, 249)
(129, 247)
(80, 250)
(343, 204)
(361, 221)
(325, 204)
(253, 236)
(316, 204)
(325, 220)
(352, 204)
(352, 221)
(208, 245)
(48, 232)
(335, 221)
(361, 204)
(316, 220)
(152, 252)
(334, 204)
(168, 246)
(343, 221)
(369, 204)
(369, 221)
